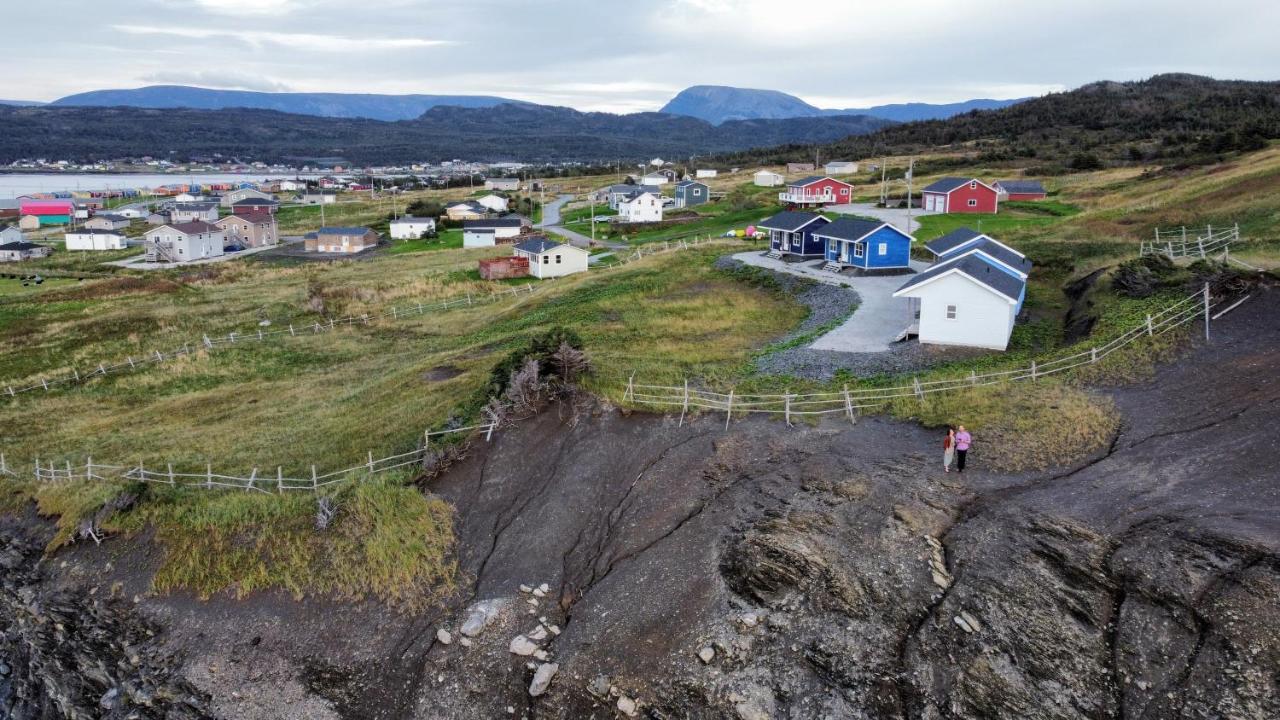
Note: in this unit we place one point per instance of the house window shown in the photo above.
(859, 250)
(557, 259)
(973, 184)
(883, 249)
(973, 202)
(951, 312)
(546, 259)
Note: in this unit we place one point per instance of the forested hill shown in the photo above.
(1167, 116)
(526, 133)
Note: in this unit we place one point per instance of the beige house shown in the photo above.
(106, 222)
(467, 210)
(251, 230)
(29, 222)
(548, 258)
(341, 240)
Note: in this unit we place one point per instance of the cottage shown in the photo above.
(615, 195)
(792, 233)
(10, 208)
(250, 230)
(868, 245)
(11, 233)
(548, 259)
(206, 212)
(816, 191)
(973, 293)
(691, 192)
(512, 184)
(643, 208)
(503, 268)
(106, 222)
(410, 227)
(255, 205)
(157, 218)
(29, 222)
(348, 240)
(767, 178)
(466, 210)
(22, 250)
(47, 212)
(130, 213)
(487, 233)
(318, 197)
(1021, 190)
(960, 195)
(841, 167)
(229, 199)
(183, 242)
(493, 203)
(703, 174)
(799, 167)
(656, 178)
(95, 240)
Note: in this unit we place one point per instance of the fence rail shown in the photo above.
(849, 401)
(255, 481)
(1200, 243)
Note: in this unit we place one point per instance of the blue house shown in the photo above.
(690, 193)
(865, 244)
(791, 232)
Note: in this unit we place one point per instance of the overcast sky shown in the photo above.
(625, 56)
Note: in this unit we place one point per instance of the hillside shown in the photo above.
(528, 133)
(341, 105)
(718, 103)
(1175, 116)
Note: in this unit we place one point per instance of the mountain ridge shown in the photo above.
(721, 103)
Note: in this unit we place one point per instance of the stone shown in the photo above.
(963, 624)
(526, 589)
(750, 620)
(521, 645)
(707, 654)
(542, 678)
(480, 616)
(532, 601)
(545, 588)
(555, 629)
(110, 700)
(627, 706)
(464, 641)
(541, 655)
(973, 621)
(940, 580)
(539, 633)
(444, 636)
(599, 686)
(537, 592)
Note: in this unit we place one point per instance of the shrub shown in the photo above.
(1142, 277)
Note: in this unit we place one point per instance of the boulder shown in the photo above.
(521, 645)
(542, 678)
(480, 616)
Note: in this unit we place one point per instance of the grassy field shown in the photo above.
(447, 240)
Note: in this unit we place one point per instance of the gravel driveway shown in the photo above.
(896, 217)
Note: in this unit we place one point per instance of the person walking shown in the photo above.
(963, 441)
(948, 448)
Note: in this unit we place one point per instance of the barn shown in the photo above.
(1021, 190)
(960, 195)
(864, 244)
(791, 232)
(48, 212)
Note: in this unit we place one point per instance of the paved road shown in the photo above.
(138, 262)
(551, 222)
(880, 317)
(894, 216)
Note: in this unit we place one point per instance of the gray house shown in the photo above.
(691, 192)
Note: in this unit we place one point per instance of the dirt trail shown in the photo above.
(831, 572)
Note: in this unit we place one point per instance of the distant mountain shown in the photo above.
(341, 105)
(524, 132)
(718, 103)
(21, 103)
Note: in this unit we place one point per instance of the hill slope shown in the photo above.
(718, 103)
(343, 105)
(528, 133)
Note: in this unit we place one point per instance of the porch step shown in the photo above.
(832, 266)
(774, 254)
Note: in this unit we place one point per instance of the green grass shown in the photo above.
(10, 287)
(713, 220)
(447, 240)
(1013, 220)
(583, 214)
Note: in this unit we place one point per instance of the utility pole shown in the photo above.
(884, 184)
(911, 171)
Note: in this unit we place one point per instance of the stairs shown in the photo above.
(832, 266)
(776, 255)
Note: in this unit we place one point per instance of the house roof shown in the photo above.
(255, 201)
(999, 252)
(1021, 186)
(252, 218)
(847, 228)
(952, 240)
(343, 231)
(502, 222)
(687, 183)
(978, 269)
(19, 245)
(85, 231)
(789, 220)
(537, 245)
(768, 172)
(404, 219)
(199, 226)
(195, 206)
(947, 184)
(807, 180)
(110, 216)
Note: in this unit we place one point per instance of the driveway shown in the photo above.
(138, 262)
(877, 322)
(551, 222)
(896, 217)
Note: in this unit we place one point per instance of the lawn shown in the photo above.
(1014, 220)
(712, 220)
(447, 240)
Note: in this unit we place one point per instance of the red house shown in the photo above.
(1021, 190)
(815, 191)
(961, 195)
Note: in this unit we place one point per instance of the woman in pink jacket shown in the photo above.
(963, 441)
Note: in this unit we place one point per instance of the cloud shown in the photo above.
(248, 7)
(292, 41)
(226, 80)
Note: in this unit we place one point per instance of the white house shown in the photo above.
(11, 233)
(767, 178)
(700, 174)
(95, 240)
(194, 212)
(643, 208)
(654, 179)
(548, 259)
(411, 228)
(496, 203)
(841, 167)
(231, 197)
(502, 184)
(184, 242)
(973, 293)
(318, 197)
(186, 198)
(131, 213)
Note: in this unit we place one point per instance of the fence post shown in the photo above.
(728, 411)
(130, 359)
(208, 475)
(915, 382)
(370, 462)
(787, 402)
(37, 470)
(45, 384)
(77, 372)
(468, 299)
(159, 357)
(1206, 312)
(314, 481)
(848, 406)
(101, 370)
(208, 344)
(1093, 354)
(395, 315)
(973, 377)
(1150, 330)
(11, 392)
(630, 394)
(279, 480)
(291, 329)
(253, 476)
(493, 423)
(685, 407)
(171, 480)
(1033, 369)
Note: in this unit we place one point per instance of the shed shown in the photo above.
(548, 258)
(841, 167)
(960, 195)
(690, 193)
(1021, 190)
(767, 178)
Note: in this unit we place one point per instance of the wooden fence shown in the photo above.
(1200, 243)
(849, 402)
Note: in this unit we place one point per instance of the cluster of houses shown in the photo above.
(970, 296)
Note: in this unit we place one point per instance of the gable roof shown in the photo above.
(504, 222)
(809, 180)
(537, 245)
(978, 269)
(790, 220)
(847, 228)
(86, 231)
(948, 184)
(403, 219)
(20, 245)
(199, 226)
(252, 219)
(195, 206)
(255, 201)
(997, 251)
(687, 183)
(110, 216)
(343, 231)
(1021, 186)
(952, 240)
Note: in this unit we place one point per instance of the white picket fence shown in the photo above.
(850, 402)
(256, 480)
(1193, 242)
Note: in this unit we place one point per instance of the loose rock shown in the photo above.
(542, 678)
(521, 645)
